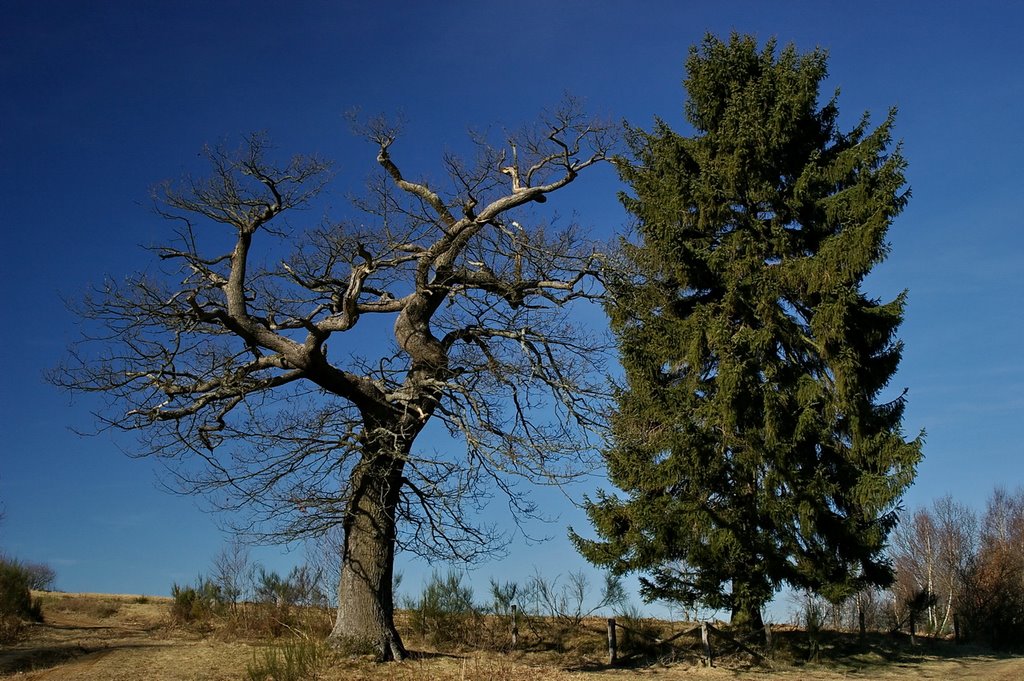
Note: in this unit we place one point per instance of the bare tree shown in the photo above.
(957, 527)
(931, 550)
(993, 597)
(232, 570)
(222, 360)
(570, 603)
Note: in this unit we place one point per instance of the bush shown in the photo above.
(301, 587)
(814, 623)
(306, 586)
(294, 603)
(278, 606)
(444, 612)
(570, 603)
(15, 595)
(11, 629)
(992, 602)
(196, 604)
(16, 603)
(272, 590)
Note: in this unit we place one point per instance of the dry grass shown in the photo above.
(122, 638)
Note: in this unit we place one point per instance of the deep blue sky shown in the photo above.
(102, 100)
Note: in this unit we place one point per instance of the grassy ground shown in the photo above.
(121, 638)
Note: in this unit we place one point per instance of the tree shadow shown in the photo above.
(431, 655)
(36, 651)
(20, 660)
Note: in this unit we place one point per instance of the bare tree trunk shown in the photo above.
(930, 557)
(949, 610)
(365, 601)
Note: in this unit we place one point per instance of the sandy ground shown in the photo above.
(121, 638)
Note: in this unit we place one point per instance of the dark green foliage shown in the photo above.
(16, 602)
(750, 439)
(15, 591)
(197, 603)
(271, 589)
(306, 586)
(919, 602)
(444, 613)
(285, 604)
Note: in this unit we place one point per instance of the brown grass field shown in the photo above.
(122, 638)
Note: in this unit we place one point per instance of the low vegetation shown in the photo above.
(16, 602)
(297, 660)
(140, 640)
(959, 594)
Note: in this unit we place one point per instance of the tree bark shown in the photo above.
(365, 618)
(748, 619)
(746, 616)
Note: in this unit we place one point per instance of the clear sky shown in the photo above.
(101, 100)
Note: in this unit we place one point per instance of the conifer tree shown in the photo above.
(751, 440)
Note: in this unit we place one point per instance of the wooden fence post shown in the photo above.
(705, 640)
(515, 625)
(613, 653)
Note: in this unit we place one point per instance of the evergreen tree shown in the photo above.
(750, 439)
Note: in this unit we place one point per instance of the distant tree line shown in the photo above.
(970, 568)
(957, 573)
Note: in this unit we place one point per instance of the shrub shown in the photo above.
(197, 603)
(11, 629)
(306, 586)
(813, 619)
(279, 605)
(570, 603)
(992, 602)
(444, 612)
(295, 603)
(16, 603)
(232, 570)
(15, 596)
(504, 598)
(301, 587)
(272, 614)
(273, 590)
